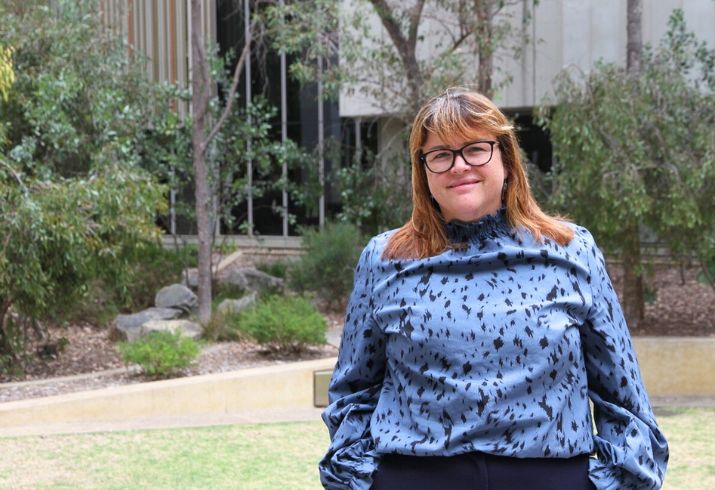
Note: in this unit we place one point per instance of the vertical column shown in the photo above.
(172, 210)
(249, 190)
(130, 27)
(141, 30)
(188, 51)
(358, 142)
(321, 144)
(149, 40)
(284, 135)
(183, 54)
(159, 25)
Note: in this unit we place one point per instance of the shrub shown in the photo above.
(75, 199)
(327, 267)
(151, 269)
(282, 323)
(225, 290)
(277, 268)
(223, 327)
(160, 354)
(131, 284)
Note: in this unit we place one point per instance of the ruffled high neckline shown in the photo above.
(489, 226)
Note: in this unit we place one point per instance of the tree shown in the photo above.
(640, 151)
(430, 45)
(75, 203)
(399, 72)
(59, 234)
(634, 36)
(633, 302)
(216, 126)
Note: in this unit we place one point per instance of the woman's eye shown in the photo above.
(475, 149)
(443, 155)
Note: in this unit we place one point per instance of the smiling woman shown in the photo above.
(477, 333)
(467, 183)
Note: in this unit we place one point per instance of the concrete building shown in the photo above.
(572, 34)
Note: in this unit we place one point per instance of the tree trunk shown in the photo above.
(634, 45)
(406, 46)
(633, 301)
(486, 49)
(199, 105)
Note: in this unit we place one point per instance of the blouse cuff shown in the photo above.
(351, 467)
(602, 476)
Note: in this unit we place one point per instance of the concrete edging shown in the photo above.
(672, 367)
(285, 387)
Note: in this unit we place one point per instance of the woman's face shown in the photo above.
(465, 192)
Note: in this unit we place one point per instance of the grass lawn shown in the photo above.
(265, 456)
(691, 436)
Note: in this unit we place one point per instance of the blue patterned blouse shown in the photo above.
(496, 347)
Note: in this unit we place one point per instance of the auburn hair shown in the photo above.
(460, 113)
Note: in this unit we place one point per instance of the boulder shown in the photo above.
(190, 278)
(128, 327)
(230, 306)
(250, 279)
(187, 328)
(176, 296)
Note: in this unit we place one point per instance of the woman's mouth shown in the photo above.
(462, 184)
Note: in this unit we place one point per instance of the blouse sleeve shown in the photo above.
(355, 388)
(632, 452)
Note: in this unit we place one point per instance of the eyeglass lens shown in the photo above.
(478, 153)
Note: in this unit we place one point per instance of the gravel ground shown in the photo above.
(214, 358)
(682, 306)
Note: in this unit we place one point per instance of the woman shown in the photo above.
(477, 333)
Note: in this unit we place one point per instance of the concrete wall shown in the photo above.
(567, 33)
(677, 366)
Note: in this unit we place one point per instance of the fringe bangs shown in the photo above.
(458, 116)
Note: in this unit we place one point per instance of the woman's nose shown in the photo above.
(459, 164)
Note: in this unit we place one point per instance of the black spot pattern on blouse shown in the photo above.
(495, 346)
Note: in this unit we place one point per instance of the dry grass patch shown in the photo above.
(262, 456)
(691, 435)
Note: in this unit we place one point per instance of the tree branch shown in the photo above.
(458, 42)
(234, 87)
(415, 23)
(405, 47)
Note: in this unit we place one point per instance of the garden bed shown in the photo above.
(90, 352)
(682, 307)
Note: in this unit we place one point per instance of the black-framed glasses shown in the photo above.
(476, 154)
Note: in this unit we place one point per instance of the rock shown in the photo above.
(236, 305)
(127, 327)
(187, 328)
(250, 279)
(176, 296)
(190, 278)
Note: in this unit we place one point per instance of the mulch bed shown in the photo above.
(683, 306)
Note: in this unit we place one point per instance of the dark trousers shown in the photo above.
(479, 471)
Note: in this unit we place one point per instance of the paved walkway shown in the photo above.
(257, 417)
(663, 406)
